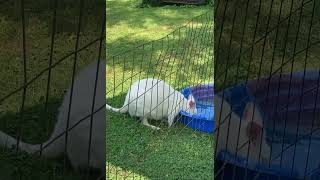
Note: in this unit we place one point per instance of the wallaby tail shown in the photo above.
(123, 109)
(9, 142)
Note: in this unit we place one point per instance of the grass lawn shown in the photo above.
(182, 58)
(128, 25)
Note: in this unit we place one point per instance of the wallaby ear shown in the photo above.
(253, 122)
(221, 112)
(191, 101)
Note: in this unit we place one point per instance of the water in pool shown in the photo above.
(205, 109)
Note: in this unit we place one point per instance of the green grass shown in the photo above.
(178, 152)
(128, 25)
(182, 58)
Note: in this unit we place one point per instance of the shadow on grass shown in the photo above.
(66, 11)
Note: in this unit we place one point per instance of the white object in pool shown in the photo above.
(228, 136)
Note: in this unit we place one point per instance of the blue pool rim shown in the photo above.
(204, 122)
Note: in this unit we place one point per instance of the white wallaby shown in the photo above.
(251, 129)
(154, 99)
(78, 137)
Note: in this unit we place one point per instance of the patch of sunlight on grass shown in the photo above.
(116, 172)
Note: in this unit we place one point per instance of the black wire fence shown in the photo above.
(52, 92)
(266, 86)
(140, 149)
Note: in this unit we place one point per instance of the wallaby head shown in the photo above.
(235, 139)
(191, 105)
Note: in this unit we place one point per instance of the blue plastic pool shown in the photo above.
(203, 120)
(289, 107)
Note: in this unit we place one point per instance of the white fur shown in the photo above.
(78, 137)
(154, 99)
(243, 135)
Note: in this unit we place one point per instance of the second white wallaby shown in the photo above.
(154, 99)
(78, 139)
(250, 130)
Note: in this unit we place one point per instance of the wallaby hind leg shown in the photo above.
(146, 123)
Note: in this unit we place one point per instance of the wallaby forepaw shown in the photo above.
(156, 128)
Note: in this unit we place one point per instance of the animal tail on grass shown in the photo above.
(51, 151)
(123, 109)
(9, 142)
